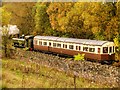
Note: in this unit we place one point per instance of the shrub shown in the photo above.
(79, 57)
(26, 49)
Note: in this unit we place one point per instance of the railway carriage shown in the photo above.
(93, 49)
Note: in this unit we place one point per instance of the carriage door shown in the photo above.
(98, 50)
(49, 46)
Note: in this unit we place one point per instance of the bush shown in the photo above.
(79, 57)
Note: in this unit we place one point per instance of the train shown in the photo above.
(92, 49)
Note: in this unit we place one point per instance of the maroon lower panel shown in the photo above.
(108, 57)
(38, 47)
(73, 52)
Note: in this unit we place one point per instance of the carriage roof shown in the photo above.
(72, 40)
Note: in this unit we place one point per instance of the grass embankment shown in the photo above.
(21, 74)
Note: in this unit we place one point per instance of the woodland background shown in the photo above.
(85, 20)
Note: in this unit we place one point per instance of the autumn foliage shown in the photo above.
(85, 20)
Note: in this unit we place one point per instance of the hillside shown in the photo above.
(21, 74)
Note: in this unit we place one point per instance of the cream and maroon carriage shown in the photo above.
(93, 49)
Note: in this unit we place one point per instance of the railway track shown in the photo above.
(104, 74)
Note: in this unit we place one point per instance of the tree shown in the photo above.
(5, 16)
(42, 23)
(22, 16)
(112, 29)
(7, 48)
(118, 16)
(57, 14)
(77, 19)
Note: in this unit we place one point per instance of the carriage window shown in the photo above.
(85, 48)
(105, 49)
(40, 43)
(58, 45)
(54, 44)
(45, 43)
(49, 43)
(70, 46)
(64, 46)
(78, 47)
(110, 49)
(91, 49)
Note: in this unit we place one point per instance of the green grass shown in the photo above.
(21, 74)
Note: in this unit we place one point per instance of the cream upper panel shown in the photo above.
(108, 44)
